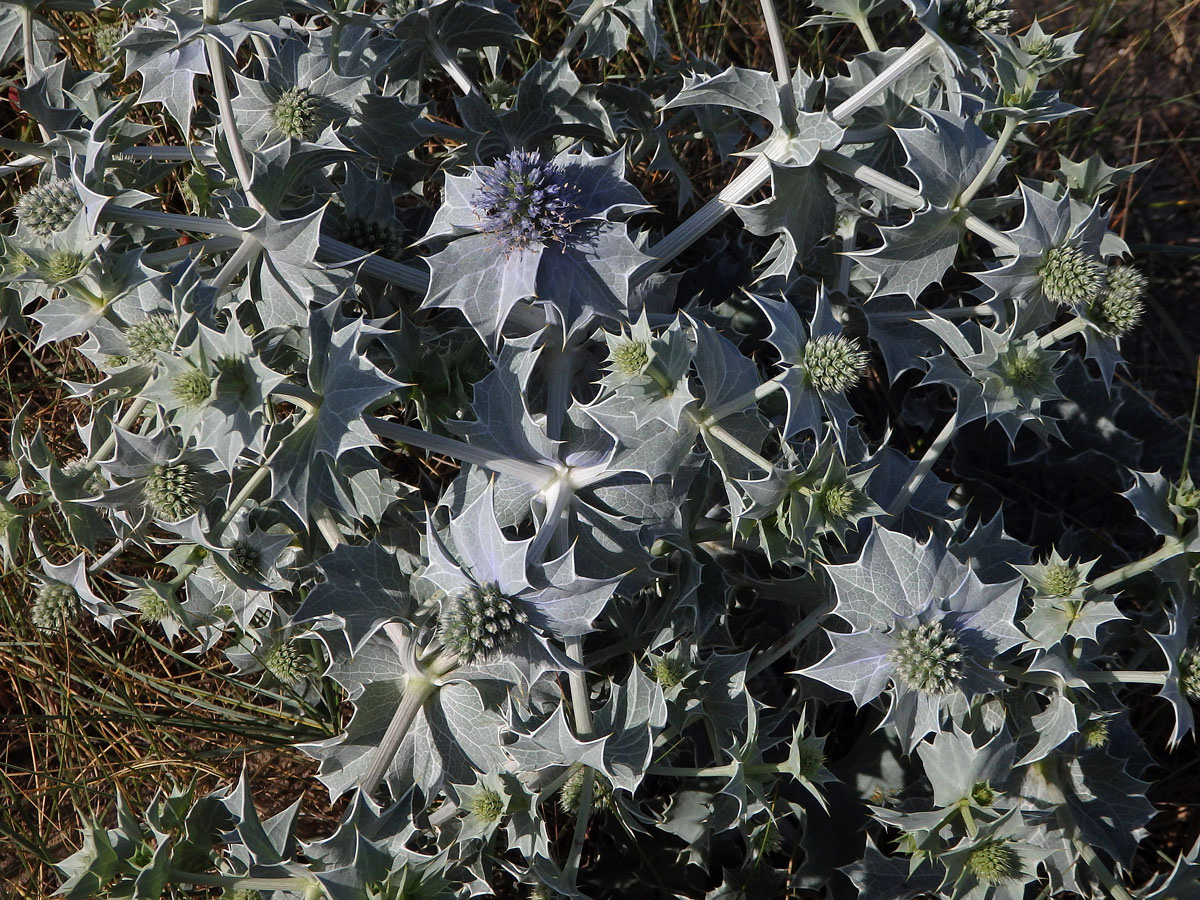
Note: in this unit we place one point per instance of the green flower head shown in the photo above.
(965, 21)
(55, 604)
(994, 862)
(833, 363)
(156, 332)
(296, 113)
(928, 658)
(480, 622)
(48, 208)
(172, 491)
(1070, 276)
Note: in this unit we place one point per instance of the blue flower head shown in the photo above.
(524, 200)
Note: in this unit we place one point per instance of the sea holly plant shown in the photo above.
(628, 529)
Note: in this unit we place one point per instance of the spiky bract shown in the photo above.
(295, 113)
(1070, 276)
(524, 200)
(964, 21)
(55, 604)
(172, 491)
(833, 363)
(994, 862)
(48, 208)
(928, 658)
(480, 622)
(154, 333)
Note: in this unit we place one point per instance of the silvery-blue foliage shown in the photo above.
(797, 552)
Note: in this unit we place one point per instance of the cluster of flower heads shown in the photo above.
(524, 200)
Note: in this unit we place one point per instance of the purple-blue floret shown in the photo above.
(524, 200)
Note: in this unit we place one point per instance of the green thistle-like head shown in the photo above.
(55, 604)
(838, 500)
(1189, 673)
(77, 468)
(572, 790)
(150, 606)
(1095, 734)
(994, 862)
(287, 662)
(1061, 579)
(1070, 276)
(965, 21)
(630, 358)
(192, 388)
(296, 113)
(480, 622)
(808, 758)
(386, 238)
(245, 558)
(1119, 309)
(833, 363)
(172, 491)
(928, 658)
(487, 805)
(669, 671)
(983, 794)
(64, 264)
(155, 332)
(48, 208)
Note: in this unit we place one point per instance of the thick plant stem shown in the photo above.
(595, 8)
(791, 640)
(220, 78)
(581, 710)
(737, 404)
(243, 256)
(783, 69)
(924, 467)
(535, 474)
(719, 432)
(417, 690)
(909, 60)
(989, 165)
(1074, 326)
(286, 883)
(192, 250)
(1171, 548)
(451, 66)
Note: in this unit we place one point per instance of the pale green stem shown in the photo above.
(535, 474)
(252, 484)
(595, 8)
(1063, 331)
(1171, 548)
(450, 65)
(953, 312)
(581, 710)
(104, 561)
(783, 73)
(220, 79)
(558, 499)
(286, 883)
(168, 154)
(151, 218)
(791, 640)
(243, 256)
(1118, 676)
(726, 771)
(329, 529)
(737, 404)
(989, 165)
(719, 432)
(864, 28)
(125, 423)
(190, 250)
(911, 198)
(417, 690)
(909, 60)
(924, 467)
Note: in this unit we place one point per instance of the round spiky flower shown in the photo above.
(630, 357)
(105, 37)
(572, 790)
(192, 387)
(994, 862)
(155, 332)
(487, 805)
(287, 662)
(1025, 369)
(524, 200)
(808, 758)
(963, 21)
(480, 622)
(833, 363)
(387, 238)
(1189, 673)
(838, 500)
(1070, 276)
(1095, 734)
(55, 604)
(669, 671)
(48, 208)
(1061, 579)
(1119, 309)
(64, 264)
(928, 658)
(150, 606)
(983, 794)
(296, 112)
(172, 491)
(245, 557)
